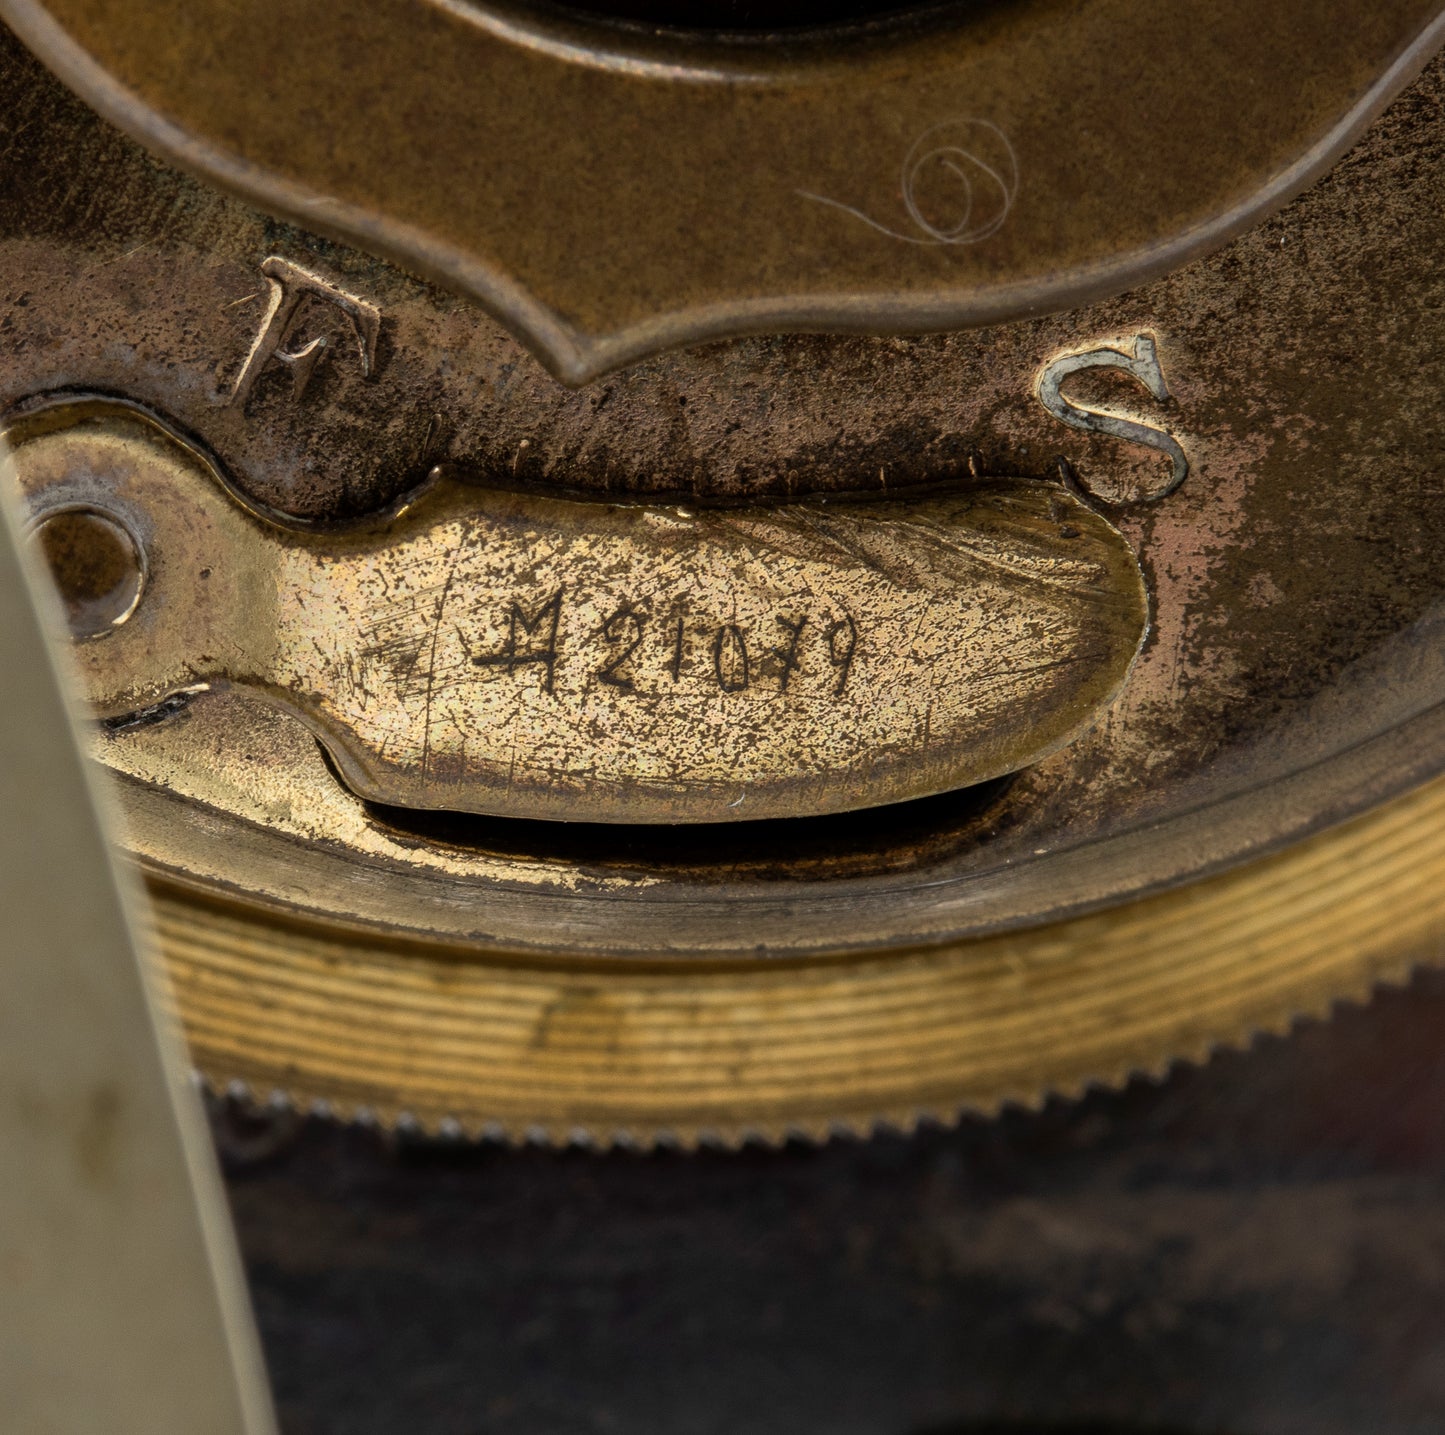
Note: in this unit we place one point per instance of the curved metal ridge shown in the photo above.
(607, 202)
(470, 1043)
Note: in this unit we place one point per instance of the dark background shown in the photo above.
(1254, 1247)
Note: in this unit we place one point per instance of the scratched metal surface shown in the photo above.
(1293, 667)
(1255, 1247)
(761, 662)
(1293, 572)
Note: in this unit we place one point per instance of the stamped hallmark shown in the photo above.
(290, 286)
(1142, 363)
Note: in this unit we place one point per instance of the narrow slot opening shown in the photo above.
(897, 837)
(758, 19)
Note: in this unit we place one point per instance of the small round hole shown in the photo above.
(97, 568)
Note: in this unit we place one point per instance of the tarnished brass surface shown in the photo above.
(1291, 675)
(1260, 426)
(609, 191)
(543, 657)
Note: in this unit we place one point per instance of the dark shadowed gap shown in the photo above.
(898, 837)
(1068, 1427)
(756, 18)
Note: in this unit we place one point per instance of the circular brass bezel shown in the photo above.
(484, 1043)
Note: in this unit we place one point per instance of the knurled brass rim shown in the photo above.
(686, 1053)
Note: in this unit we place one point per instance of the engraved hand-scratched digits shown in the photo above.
(626, 626)
(956, 611)
(674, 666)
(788, 654)
(730, 658)
(842, 644)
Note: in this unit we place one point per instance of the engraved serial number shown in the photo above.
(800, 647)
(505, 653)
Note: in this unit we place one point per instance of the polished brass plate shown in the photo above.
(547, 658)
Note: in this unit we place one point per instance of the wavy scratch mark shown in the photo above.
(978, 157)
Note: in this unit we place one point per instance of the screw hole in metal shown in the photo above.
(97, 565)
